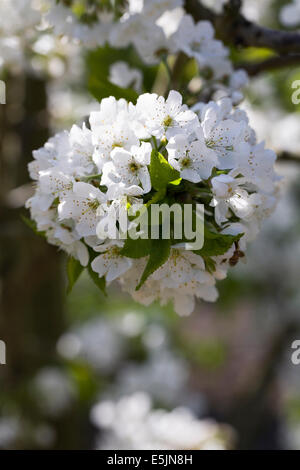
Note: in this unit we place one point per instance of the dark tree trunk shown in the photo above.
(31, 284)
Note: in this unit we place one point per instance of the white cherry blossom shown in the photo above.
(194, 160)
(52, 154)
(55, 183)
(80, 156)
(82, 206)
(166, 117)
(224, 134)
(129, 167)
(110, 263)
(197, 40)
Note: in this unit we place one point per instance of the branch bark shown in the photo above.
(273, 63)
(288, 157)
(233, 28)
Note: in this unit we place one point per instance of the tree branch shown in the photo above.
(288, 157)
(233, 28)
(274, 63)
(198, 11)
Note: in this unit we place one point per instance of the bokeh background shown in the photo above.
(87, 371)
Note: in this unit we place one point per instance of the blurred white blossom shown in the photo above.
(132, 423)
(54, 390)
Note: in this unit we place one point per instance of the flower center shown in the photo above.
(114, 251)
(116, 144)
(167, 121)
(185, 162)
(212, 144)
(175, 255)
(94, 204)
(133, 167)
(195, 45)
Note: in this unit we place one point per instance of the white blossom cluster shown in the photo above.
(16, 17)
(27, 44)
(88, 25)
(104, 344)
(132, 423)
(83, 174)
(155, 28)
(136, 22)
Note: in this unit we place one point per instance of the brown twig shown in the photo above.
(273, 63)
(288, 157)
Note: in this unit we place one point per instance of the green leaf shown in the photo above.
(136, 248)
(216, 244)
(74, 269)
(158, 196)
(210, 264)
(176, 182)
(99, 281)
(100, 60)
(160, 252)
(161, 172)
(102, 88)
